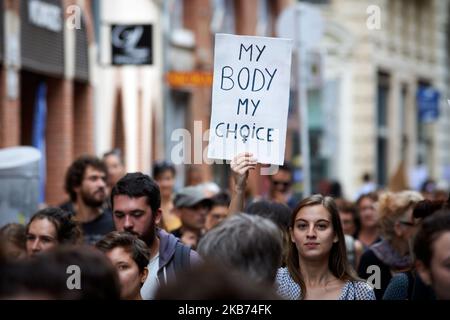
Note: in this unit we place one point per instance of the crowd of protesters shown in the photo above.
(133, 236)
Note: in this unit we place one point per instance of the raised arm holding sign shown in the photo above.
(250, 98)
(240, 167)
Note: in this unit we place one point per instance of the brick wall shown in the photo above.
(246, 17)
(83, 138)
(59, 137)
(9, 116)
(197, 17)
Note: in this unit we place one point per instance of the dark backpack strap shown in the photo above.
(411, 284)
(182, 258)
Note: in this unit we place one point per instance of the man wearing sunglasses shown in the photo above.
(281, 186)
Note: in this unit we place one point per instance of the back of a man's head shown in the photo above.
(209, 281)
(248, 244)
(136, 185)
(279, 213)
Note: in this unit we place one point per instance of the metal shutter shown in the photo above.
(81, 53)
(42, 50)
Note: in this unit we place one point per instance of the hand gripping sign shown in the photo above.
(250, 99)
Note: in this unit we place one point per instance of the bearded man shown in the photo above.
(86, 185)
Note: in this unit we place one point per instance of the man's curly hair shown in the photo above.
(75, 173)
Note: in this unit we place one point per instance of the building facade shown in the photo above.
(45, 82)
(365, 107)
(128, 99)
(375, 73)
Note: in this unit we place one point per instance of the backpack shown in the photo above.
(182, 258)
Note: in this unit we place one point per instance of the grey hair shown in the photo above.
(248, 244)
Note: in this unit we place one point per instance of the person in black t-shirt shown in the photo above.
(86, 185)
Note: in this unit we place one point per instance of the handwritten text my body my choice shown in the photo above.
(247, 79)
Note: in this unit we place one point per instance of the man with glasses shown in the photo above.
(218, 211)
(280, 186)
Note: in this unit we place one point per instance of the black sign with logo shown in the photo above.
(131, 44)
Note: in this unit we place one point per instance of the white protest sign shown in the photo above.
(250, 99)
